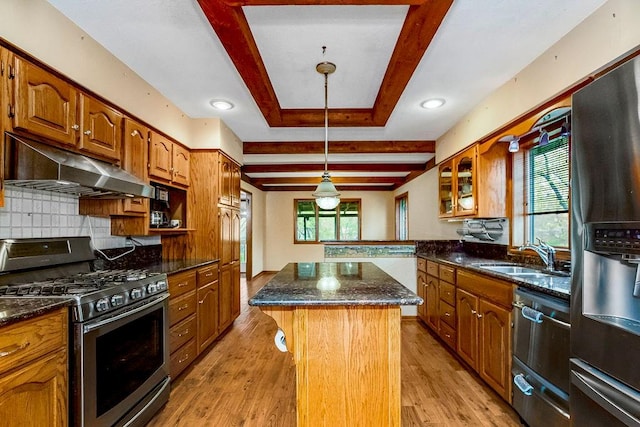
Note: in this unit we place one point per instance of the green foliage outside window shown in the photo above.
(315, 225)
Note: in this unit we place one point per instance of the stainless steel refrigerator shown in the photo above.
(605, 239)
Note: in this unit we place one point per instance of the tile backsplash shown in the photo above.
(31, 213)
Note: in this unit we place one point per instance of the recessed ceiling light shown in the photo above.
(433, 103)
(221, 104)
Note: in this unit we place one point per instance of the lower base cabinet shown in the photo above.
(484, 328)
(203, 302)
(34, 371)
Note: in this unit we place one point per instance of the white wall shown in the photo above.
(607, 34)
(424, 223)
(377, 224)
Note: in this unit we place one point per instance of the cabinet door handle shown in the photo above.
(447, 314)
(473, 312)
(479, 316)
(8, 351)
(75, 127)
(87, 132)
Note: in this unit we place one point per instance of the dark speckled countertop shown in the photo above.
(555, 285)
(172, 267)
(333, 283)
(17, 309)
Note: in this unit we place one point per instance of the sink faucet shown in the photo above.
(546, 252)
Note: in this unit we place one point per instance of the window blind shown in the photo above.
(549, 177)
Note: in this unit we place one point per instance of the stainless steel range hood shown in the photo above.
(32, 164)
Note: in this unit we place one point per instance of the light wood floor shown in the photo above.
(243, 380)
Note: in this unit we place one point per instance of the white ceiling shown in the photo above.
(480, 45)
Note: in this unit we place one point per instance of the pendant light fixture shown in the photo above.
(327, 197)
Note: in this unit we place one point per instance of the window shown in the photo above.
(402, 220)
(542, 212)
(315, 225)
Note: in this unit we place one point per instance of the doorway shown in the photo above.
(245, 234)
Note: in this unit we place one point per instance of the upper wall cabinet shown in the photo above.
(48, 106)
(457, 185)
(474, 183)
(100, 128)
(229, 181)
(45, 105)
(168, 161)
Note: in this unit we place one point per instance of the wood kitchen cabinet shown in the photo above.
(168, 160)
(436, 286)
(229, 181)
(182, 321)
(100, 128)
(457, 186)
(207, 311)
(34, 371)
(483, 311)
(421, 288)
(53, 108)
(229, 252)
(431, 293)
(5, 102)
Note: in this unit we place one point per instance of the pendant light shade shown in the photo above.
(327, 197)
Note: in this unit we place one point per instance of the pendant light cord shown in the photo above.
(326, 122)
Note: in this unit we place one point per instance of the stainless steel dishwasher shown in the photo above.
(540, 368)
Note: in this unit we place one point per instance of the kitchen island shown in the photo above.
(341, 322)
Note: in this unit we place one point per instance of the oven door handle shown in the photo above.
(532, 315)
(91, 326)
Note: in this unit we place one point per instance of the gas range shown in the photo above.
(94, 293)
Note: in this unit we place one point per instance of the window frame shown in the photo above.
(317, 222)
(521, 227)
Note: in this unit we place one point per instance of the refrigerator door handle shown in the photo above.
(609, 396)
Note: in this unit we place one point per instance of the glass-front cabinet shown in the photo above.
(458, 186)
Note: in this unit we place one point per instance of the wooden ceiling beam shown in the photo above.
(353, 147)
(341, 167)
(230, 24)
(311, 188)
(385, 180)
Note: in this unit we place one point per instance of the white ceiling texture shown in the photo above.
(479, 46)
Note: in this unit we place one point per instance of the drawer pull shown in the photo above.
(447, 314)
(14, 349)
(479, 316)
(183, 307)
(183, 333)
(183, 284)
(473, 312)
(208, 274)
(184, 359)
(447, 335)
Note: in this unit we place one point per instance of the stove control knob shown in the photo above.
(136, 293)
(102, 304)
(161, 285)
(117, 300)
(152, 288)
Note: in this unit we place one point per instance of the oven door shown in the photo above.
(122, 365)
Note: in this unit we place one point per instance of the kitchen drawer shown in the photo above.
(181, 333)
(432, 268)
(29, 339)
(182, 307)
(448, 335)
(447, 314)
(207, 274)
(448, 293)
(181, 283)
(182, 358)
(448, 274)
(495, 290)
(422, 264)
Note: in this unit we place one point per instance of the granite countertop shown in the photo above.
(172, 267)
(16, 309)
(555, 285)
(335, 284)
